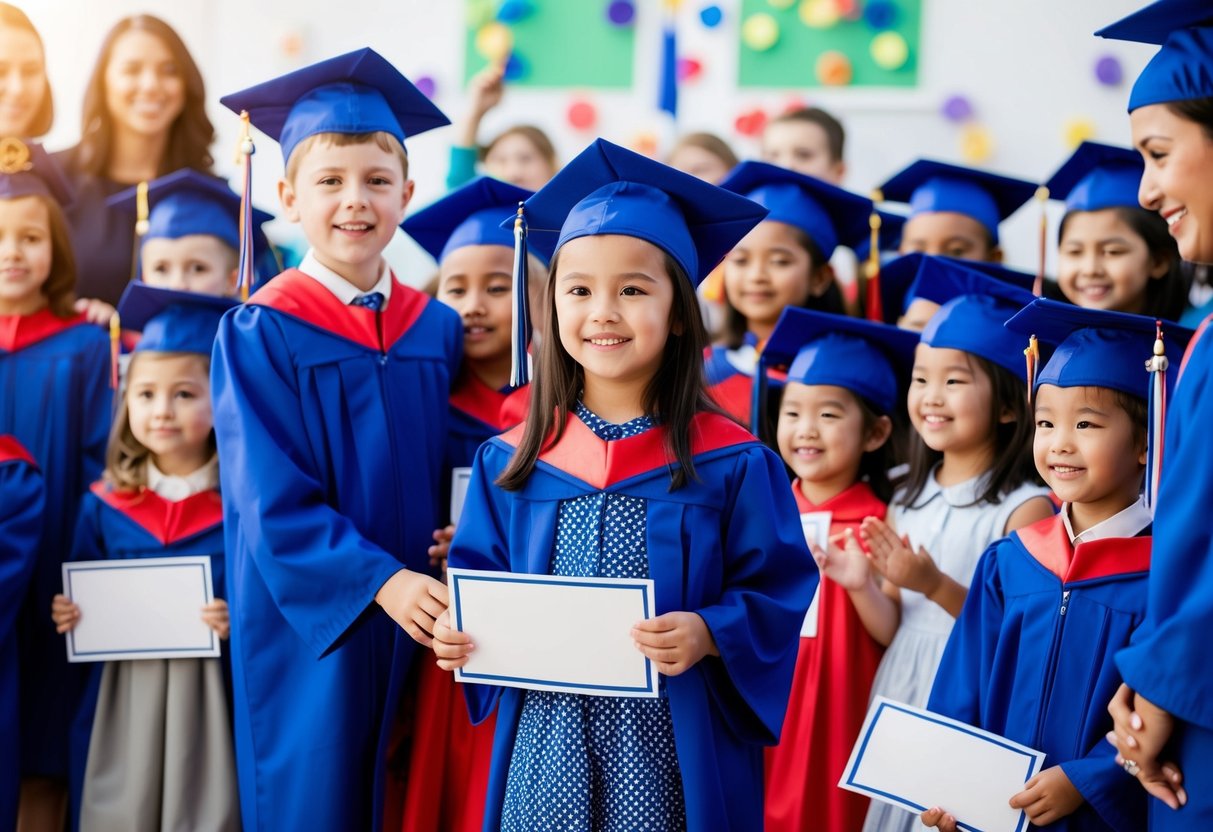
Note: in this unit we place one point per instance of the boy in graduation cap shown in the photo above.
(331, 387)
(1032, 655)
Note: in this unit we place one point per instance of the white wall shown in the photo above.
(1027, 66)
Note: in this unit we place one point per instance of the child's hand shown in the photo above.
(64, 613)
(939, 819)
(215, 616)
(413, 601)
(844, 562)
(893, 558)
(1047, 797)
(674, 641)
(442, 545)
(1140, 732)
(450, 646)
(95, 311)
(486, 89)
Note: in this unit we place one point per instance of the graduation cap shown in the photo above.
(28, 170)
(902, 278)
(470, 215)
(172, 321)
(827, 213)
(358, 92)
(929, 186)
(1183, 69)
(1098, 176)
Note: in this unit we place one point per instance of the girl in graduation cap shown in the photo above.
(624, 469)
(1164, 712)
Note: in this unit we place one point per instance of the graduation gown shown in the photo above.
(55, 400)
(829, 698)
(22, 501)
(1032, 658)
(331, 422)
(728, 546)
(728, 385)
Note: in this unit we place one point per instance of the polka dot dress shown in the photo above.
(591, 762)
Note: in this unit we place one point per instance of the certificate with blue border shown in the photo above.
(915, 759)
(143, 608)
(553, 633)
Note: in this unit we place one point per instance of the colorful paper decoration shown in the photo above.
(621, 12)
(781, 4)
(1077, 130)
(751, 122)
(1108, 71)
(976, 143)
(760, 32)
(890, 50)
(516, 67)
(479, 12)
(880, 14)
(512, 11)
(426, 85)
(644, 143)
(494, 42)
(689, 69)
(819, 14)
(957, 108)
(582, 114)
(711, 16)
(834, 69)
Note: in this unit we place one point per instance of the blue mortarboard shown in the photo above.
(930, 186)
(1183, 69)
(1098, 176)
(28, 170)
(358, 92)
(471, 215)
(828, 214)
(869, 359)
(610, 190)
(172, 321)
(902, 279)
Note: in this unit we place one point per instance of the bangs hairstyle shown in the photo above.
(60, 284)
(13, 18)
(383, 140)
(125, 456)
(537, 138)
(1012, 465)
(191, 133)
(735, 325)
(673, 396)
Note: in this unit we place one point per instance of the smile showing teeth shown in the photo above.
(354, 226)
(1066, 469)
(607, 342)
(1176, 217)
(935, 420)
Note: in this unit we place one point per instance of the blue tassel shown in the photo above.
(520, 338)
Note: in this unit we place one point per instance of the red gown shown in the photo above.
(829, 699)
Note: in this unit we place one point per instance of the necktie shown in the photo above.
(371, 300)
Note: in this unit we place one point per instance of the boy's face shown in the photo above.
(196, 263)
(803, 147)
(349, 200)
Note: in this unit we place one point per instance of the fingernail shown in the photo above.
(1132, 743)
(1135, 721)
(1111, 737)
(1182, 794)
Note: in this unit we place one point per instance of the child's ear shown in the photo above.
(821, 278)
(994, 255)
(286, 196)
(232, 279)
(879, 433)
(1007, 416)
(409, 187)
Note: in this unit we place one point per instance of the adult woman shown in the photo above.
(144, 116)
(26, 107)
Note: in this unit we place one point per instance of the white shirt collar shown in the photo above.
(175, 489)
(341, 288)
(1125, 523)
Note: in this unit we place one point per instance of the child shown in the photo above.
(784, 261)
(705, 156)
(904, 284)
(1112, 253)
(331, 390)
(55, 401)
(159, 498)
(845, 380)
(955, 210)
(611, 494)
(1031, 657)
(807, 140)
(22, 503)
(192, 237)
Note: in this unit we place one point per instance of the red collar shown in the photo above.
(602, 464)
(1048, 542)
(20, 331)
(850, 506)
(475, 398)
(13, 451)
(168, 522)
(302, 297)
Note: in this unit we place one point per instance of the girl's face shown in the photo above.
(700, 163)
(949, 234)
(516, 160)
(768, 271)
(23, 84)
(1104, 264)
(613, 299)
(950, 400)
(144, 88)
(25, 254)
(821, 435)
(168, 400)
(1179, 164)
(476, 281)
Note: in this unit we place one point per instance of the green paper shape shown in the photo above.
(565, 45)
(792, 62)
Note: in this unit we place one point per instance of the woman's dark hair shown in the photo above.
(1199, 110)
(13, 18)
(190, 135)
(1012, 465)
(1166, 296)
(674, 395)
(735, 325)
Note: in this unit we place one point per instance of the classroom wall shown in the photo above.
(1027, 67)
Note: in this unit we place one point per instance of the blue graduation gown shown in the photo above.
(331, 422)
(22, 501)
(55, 399)
(751, 581)
(1032, 658)
(478, 413)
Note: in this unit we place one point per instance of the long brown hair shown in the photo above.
(673, 396)
(191, 133)
(60, 285)
(14, 18)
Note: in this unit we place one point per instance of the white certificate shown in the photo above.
(915, 759)
(147, 608)
(816, 525)
(460, 477)
(547, 632)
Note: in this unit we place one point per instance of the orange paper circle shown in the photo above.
(834, 69)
